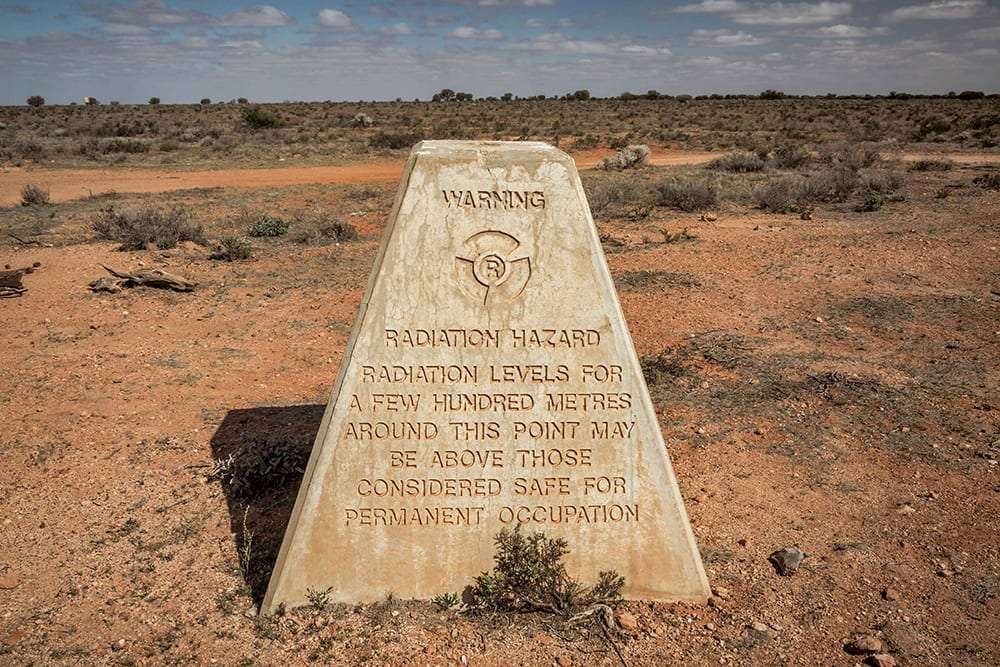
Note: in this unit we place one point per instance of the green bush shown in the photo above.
(233, 248)
(529, 575)
(137, 230)
(268, 226)
(687, 195)
(872, 201)
(737, 163)
(261, 119)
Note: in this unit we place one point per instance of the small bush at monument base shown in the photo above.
(137, 230)
(260, 466)
(529, 575)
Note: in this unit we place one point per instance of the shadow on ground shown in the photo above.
(264, 453)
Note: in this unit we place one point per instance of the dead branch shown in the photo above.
(141, 278)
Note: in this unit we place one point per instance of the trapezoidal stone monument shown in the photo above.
(490, 381)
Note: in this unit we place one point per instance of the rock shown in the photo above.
(786, 561)
(721, 592)
(564, 660)
(891, 594)
(760, 627)
(709, 217)
(881, 660)
(628, 622)
(863, 644)
(543, 639)
(9, 581)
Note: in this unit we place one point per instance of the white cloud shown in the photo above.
(641, 50)
(987, 34)
(712, 7)
(534, 23)
(791, 13)
(725, 38)
(940, 9)
(468, 32)
(538, 3)
(397, 29)
(843, 31)
(124, 29)
(334, 18)
(258, 16)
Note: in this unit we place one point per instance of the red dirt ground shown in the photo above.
(830, 383)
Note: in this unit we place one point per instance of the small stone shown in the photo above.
(819, 320)
(891, 594)
(881, 660)
(250, 613)
(628, 622)
(8, 580)
(722, 592)
(544, 639)
(715, 602)
(786, 561)
(863, 644)
(563, 660)
(906, 509)
(760, 627)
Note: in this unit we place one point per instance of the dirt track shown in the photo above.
(69, 184)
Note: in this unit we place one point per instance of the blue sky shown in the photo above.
(182, 51)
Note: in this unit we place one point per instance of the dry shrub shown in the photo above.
(318, 231)
(626, 158)
(780, 195)
(737, 163)
(689, 195)
(790, 157)
(606, 192)
(935, 164)
(394, 141)
(881, 181)
(34, 195)
(850, 156)
(137, 230)
(990, 181)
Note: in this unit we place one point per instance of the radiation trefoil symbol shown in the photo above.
(490, 268)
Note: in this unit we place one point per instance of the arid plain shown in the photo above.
(813, 286)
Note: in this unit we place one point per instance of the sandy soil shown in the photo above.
(831, 384)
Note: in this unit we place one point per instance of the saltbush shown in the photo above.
(139, 229)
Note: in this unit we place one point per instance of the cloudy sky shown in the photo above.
(183, 50)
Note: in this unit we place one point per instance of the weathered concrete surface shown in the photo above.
(490, 380)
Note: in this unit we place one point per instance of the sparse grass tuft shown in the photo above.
(446, 601)
(137, 230)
